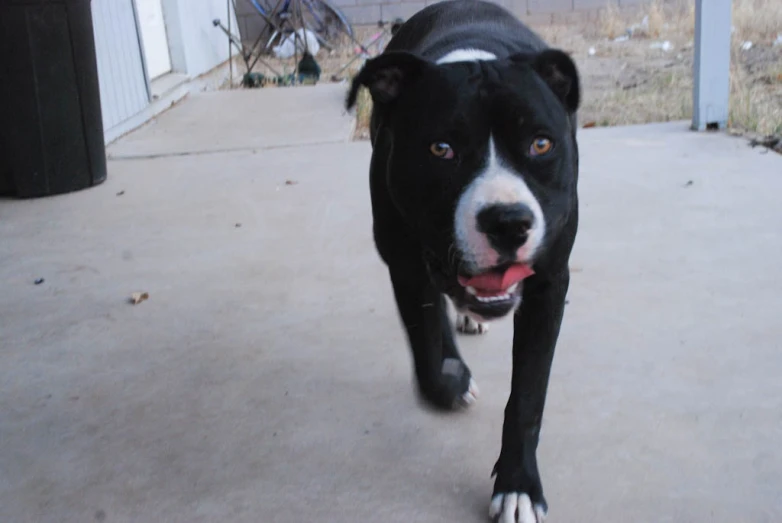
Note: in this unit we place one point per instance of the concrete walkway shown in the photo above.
(242, 120)
(266, 379)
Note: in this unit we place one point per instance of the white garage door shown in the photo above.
(123, 89)
(154, 37)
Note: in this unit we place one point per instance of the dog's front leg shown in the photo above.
(444, 380)
(518, 493)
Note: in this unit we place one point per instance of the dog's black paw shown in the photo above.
(453, 389)
(516, 507)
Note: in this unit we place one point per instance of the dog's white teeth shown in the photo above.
(471, 290)
(489, 299)
(513, 288)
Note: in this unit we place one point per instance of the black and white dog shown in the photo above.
(473, 183)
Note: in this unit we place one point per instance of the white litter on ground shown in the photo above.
(665, 46)
(287, 48)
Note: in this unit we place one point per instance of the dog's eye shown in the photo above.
(540, 146)
(441, 150)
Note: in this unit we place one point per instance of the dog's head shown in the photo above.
(482, 164)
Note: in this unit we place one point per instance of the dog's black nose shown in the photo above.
(506, 225)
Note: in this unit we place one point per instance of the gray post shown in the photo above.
(711, 89)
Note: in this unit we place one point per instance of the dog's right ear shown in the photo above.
(385, 76)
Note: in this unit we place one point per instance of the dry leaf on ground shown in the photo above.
(138, 297)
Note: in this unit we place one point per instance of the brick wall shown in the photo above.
(372, 11)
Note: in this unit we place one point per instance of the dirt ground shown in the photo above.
(636, 64)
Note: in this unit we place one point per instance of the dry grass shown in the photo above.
(650, 20)
(629, 82)
(756, 99)
(662, 98)
(610, 22)
(756, 85)
(759, 21)
(363, 115)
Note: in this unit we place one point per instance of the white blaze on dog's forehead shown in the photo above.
(466, 55)
(495, 184)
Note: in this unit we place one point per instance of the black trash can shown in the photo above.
(51, 128)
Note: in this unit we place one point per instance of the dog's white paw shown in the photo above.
(467, 325)
(455, 368)
(471, 396)
(515, 507)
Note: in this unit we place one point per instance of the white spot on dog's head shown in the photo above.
(466, 55)
(496, 184)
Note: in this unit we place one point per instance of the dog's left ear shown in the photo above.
(385, 76)
(560, 73)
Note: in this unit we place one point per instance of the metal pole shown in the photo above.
(711, 70)
(230, 47)
(147, 81)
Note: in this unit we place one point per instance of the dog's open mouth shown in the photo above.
(496, 287)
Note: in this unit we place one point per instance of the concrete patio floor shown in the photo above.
(267, 380)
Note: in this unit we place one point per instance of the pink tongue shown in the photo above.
(498, 281)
